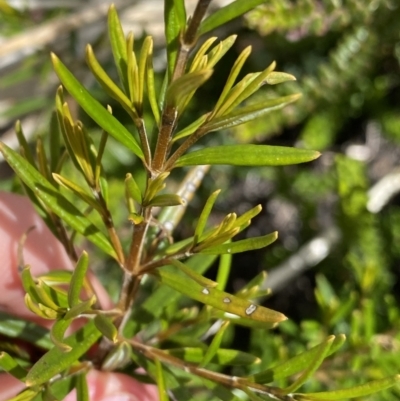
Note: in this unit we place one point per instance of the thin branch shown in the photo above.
(168, 124)
(226, 380)
(189, 142)
(189, 39)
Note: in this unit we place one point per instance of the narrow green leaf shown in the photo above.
(26, 395)
(80, 308)
(251, 288)
(323, 350)
(339, 341)
(248, 113)
(78, 191)
(247, 216)
(106, 327)
(94, 109)
(296, 364)
(39, 309)
(82, 388)
(132, 189)
(57, 334)
(154, 186)
(276, 77)
(203, 281)
(47, 313)
(107, 83)
(55, 361)
(77, 279)
(224, 269)
(175, 23)
(218, 299)
(236, 95)
(43, 164)
(244, 245)
(55, 146)
(100, 153)
(132, 70)
(162, 391)
(165, 200)
(248, 155)
(53, 199)
(80, 145)
(53, 298)
(219, 51)
(150, 368)
(228, 222)
(216, 238)
(56, 277)
(227, 13)
(23, 143)
(215, 345)
(151, 91)
(357, 391)
(145, 52)
(223, 356)
(201, 52)
(154, 305)
(11, 366)
(118, 45)
(14, 327)
(186, 84)
(63, 114)
(205, 213)
(237, 67)
(29, 284)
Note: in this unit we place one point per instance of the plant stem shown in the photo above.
(189, 39)
(137, 244)
(169, 165)
(168, 124)
(169, 116)
(226, 380)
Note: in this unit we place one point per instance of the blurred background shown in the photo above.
(336, 265)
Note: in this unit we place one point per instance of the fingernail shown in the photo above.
(121, 397)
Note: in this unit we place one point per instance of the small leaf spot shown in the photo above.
(205, 291)
(227, 300)
(229, 250)
(251, 309)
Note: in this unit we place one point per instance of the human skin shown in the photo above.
(43, 252)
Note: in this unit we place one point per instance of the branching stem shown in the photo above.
(189, 38)
(226, 380)
(183, 148)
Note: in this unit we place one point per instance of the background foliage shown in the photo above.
(339, 215)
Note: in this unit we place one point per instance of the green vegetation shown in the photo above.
(117, 181)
